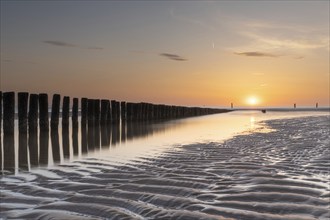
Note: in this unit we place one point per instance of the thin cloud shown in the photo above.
(256, 54)
(173, 56)
(59, 43)
(66, 44)
(95, 48)
(7, 60)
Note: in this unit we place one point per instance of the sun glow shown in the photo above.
(252, 100)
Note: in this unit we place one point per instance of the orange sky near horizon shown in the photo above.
(180, 53)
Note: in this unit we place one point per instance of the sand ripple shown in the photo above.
(283, 174)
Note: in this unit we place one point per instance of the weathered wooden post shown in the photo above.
(65, 126)
(96, 112)
(43, 112)
(84, 106)
(123, 111)
(294, 105)
(55, 115)
(0, 130)
(44, 128)
(97, 133)
(123, 114)
(75, 111)
(8, 112)
(115, 111)
(109, 116)
(66, 110)
(84, 109)
(8, 130)
(91, 127)
(33, 129)
(23, 129)
(104, 111)
(75, 126)
(54, 121)
(316, 105)
(128, 111)
(104, 122)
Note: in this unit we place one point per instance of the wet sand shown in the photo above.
(279, 171)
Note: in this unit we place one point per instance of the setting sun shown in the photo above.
(252, 100)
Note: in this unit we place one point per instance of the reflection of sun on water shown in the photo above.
(252, 122)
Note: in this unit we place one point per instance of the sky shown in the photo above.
(194, 53)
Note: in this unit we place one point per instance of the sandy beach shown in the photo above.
(278, 171)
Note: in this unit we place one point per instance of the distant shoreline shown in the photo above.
(283, 109)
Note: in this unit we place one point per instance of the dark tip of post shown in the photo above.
(65, 110)
(8, 112)
(84, 106)
(22, 110)
(75, 111)
(43, 112)
(33, 110)
(55, 109)
(8, 129)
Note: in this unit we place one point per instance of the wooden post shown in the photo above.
(0, 130)
(91, 127)
(108, 121)
(123, 111)
(75, 111)
(128, 111)
(43, 112)
(96, 112)
(232, 105)
(84, 111)
(114, 111)
(33, 129)
(8, 130)
(75, 126)
(294, 105)
(23, 129)
(317, 105)
(84, 107)
(65, 110)
(104, 111)
(97, 134)
(65, 126)
(55, 110)
(22, 110)
(8, 112)
(44, 128)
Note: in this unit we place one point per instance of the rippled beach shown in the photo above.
(268, 169)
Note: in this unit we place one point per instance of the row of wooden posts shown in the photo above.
(96, 116)
(93, 111)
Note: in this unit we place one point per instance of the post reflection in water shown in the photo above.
(84, 146)
(9, 153)
(105, 135)
(55, 143)
(75, 142)
(109, 134)
(44, 140)
(33, 147)
(115, 133)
